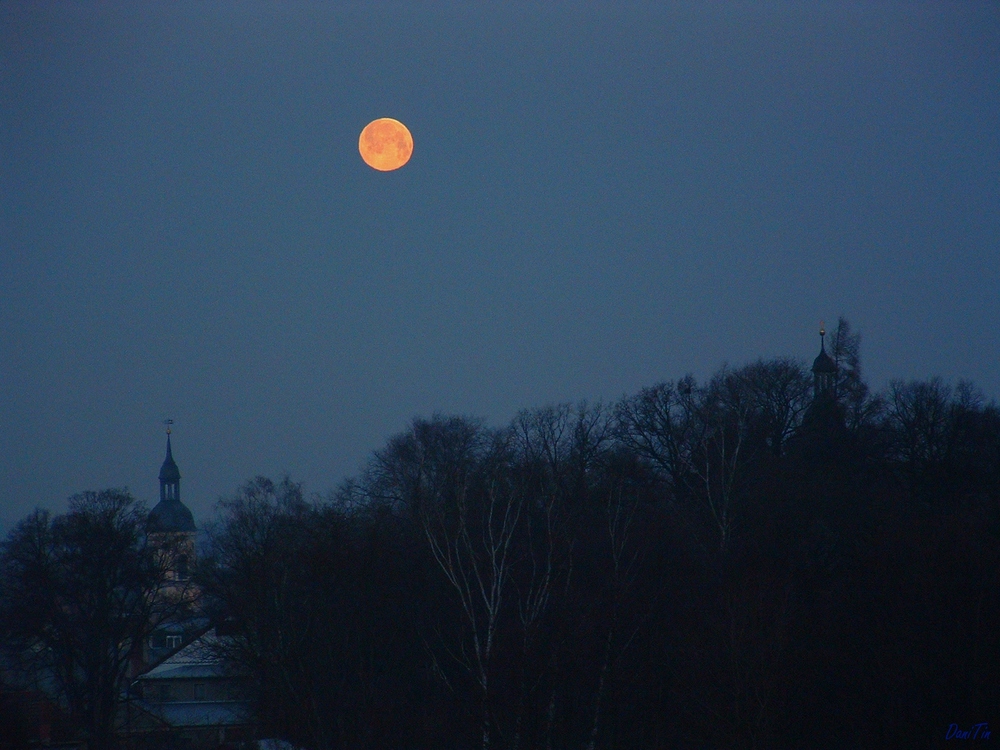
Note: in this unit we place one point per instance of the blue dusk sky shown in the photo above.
(602, 195)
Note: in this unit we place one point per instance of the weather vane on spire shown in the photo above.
(168, 422)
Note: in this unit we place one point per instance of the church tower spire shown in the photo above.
(170, 475)
(170, 527)
(170, 515)
(824, 371)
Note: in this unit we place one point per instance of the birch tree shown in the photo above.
(455, 476)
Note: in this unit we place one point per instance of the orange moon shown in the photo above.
(385, 144)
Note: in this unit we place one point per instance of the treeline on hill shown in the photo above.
(730, 564)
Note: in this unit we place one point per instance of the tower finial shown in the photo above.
(168, 422)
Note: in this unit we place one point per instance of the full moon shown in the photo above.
(385, 144)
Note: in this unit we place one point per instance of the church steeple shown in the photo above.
(170, 515)
(170, 475)
(824, 370)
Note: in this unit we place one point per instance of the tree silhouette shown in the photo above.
(78, 599)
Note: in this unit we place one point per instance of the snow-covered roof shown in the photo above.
(199, 659)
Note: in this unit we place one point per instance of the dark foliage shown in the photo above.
(728, 565)
(76, 603)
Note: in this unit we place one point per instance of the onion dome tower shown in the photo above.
(170, 524)
(170, 516)
(824, 371)
(823, 424)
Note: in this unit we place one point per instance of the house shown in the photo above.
(190, 700)
(182, 693)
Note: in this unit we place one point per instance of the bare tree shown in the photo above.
(273, 568)
(927, 422)
(724, 412)
(559, 449)
(781, 391)
(694, 437)
(660, 425)
(918, 412)
(79, 597)
(455, 477)
(621, 505)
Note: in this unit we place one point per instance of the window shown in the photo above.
(199, 691)
(174, 641)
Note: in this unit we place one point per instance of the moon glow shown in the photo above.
(385, 144)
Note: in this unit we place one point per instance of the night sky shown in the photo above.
(599, 198)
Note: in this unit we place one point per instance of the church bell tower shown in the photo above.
(170, 524)
(824, 371)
